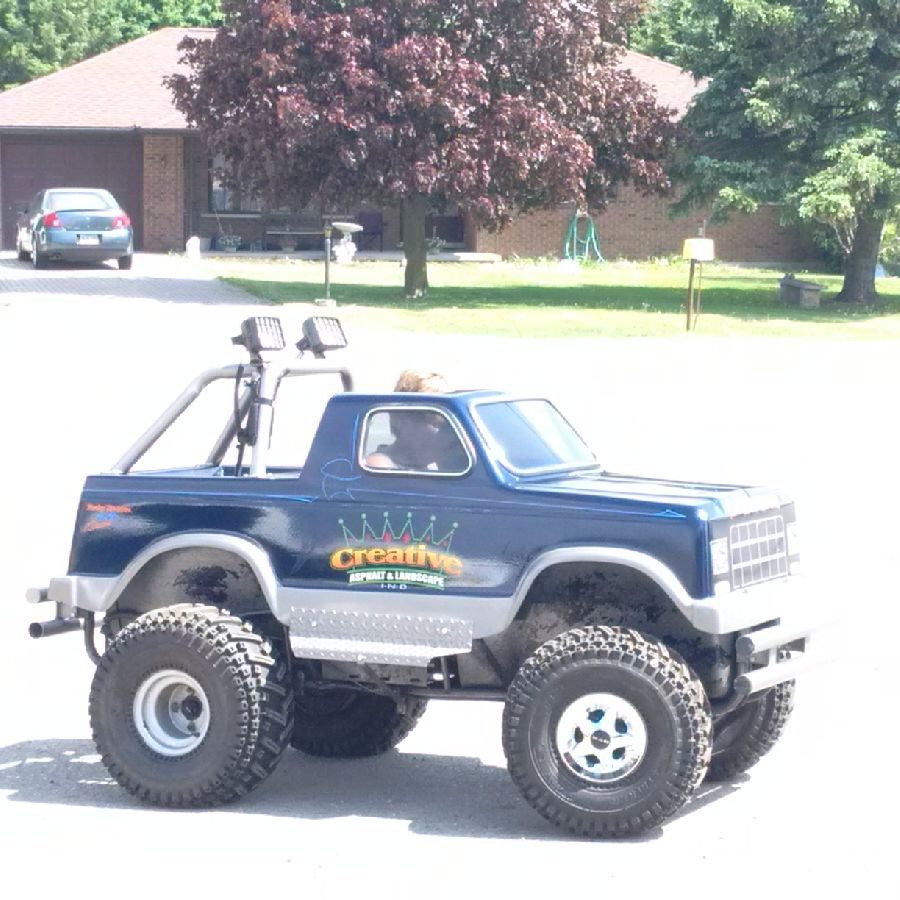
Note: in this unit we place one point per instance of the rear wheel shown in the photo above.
(21, 254)
(742, 737)
(606, 732)
(344, 722)
(125, 261)
(190, 708)
(38, 259)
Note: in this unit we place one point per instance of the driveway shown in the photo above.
(91, 357)
(154, 276)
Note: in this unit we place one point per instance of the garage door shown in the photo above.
(30, 164)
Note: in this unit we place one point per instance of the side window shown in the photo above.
(410, 439)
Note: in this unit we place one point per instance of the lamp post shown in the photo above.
(326, 231)
(697, 250)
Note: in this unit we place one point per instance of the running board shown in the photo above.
(366, 637)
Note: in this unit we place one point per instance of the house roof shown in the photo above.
(674, 86)
(119, 89)
(123, 88)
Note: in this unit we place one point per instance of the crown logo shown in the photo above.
(386, 533)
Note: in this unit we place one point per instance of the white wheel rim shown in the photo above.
(171, 712)
(601, 738)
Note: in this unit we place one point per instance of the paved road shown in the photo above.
(92, 355)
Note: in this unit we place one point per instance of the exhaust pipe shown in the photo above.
(54, 626)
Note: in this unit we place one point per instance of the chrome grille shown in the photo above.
(758, 551)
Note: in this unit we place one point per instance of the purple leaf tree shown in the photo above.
(495, 106)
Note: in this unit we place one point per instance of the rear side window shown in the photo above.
(413, 440)
(62, 200)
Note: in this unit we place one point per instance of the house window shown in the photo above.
(224, 198)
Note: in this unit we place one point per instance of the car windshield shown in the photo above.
(63, 200)
(531, 436)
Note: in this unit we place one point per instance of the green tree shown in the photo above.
(40, 36)
(802, 108)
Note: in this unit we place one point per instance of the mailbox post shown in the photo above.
(697, 250)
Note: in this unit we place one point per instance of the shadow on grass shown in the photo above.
(735, 297)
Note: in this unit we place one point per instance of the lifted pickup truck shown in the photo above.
(433, 546)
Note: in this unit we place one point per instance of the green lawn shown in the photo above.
(550, 299)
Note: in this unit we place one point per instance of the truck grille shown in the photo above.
(758, 551)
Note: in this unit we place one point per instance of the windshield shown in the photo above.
(531, 436)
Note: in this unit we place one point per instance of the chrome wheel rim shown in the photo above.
(601, 738)
(171, 712)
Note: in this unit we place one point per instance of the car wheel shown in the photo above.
(347, 723)
(38, 260)
(22, 254)
(126, 261)
(742, 737)
(189, 707)
(606, 732)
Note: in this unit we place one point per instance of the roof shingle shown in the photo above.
(119, 89)
(123, 88)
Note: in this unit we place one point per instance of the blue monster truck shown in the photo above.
(433, 546)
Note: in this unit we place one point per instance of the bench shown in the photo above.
(281, 235)
(296, 227)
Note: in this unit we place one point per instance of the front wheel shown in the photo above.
(742, 737)
(347, 723)
(190, 707)
(606, 732)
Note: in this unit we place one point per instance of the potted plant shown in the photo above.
(228, 242)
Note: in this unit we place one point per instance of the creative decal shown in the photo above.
(405, 558)
(102, 515)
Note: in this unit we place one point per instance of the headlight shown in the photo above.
(718, 551)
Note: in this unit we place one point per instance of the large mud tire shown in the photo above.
(742, 737)
(622, 780)
(347, 723)
(235, 711)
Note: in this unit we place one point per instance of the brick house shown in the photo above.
(109, 122)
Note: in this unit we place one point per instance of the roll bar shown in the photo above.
(268, 375)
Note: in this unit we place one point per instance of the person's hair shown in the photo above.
(417, 382)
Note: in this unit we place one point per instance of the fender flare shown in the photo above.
(648, 565)
(100, 593)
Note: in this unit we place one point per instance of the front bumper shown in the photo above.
(750, 607)
(774, 625)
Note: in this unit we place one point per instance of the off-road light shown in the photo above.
(321, 333)
(260, 333)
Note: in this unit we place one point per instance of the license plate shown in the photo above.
(88, 239)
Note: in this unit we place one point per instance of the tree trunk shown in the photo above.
(415, 211)
(859, 272)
